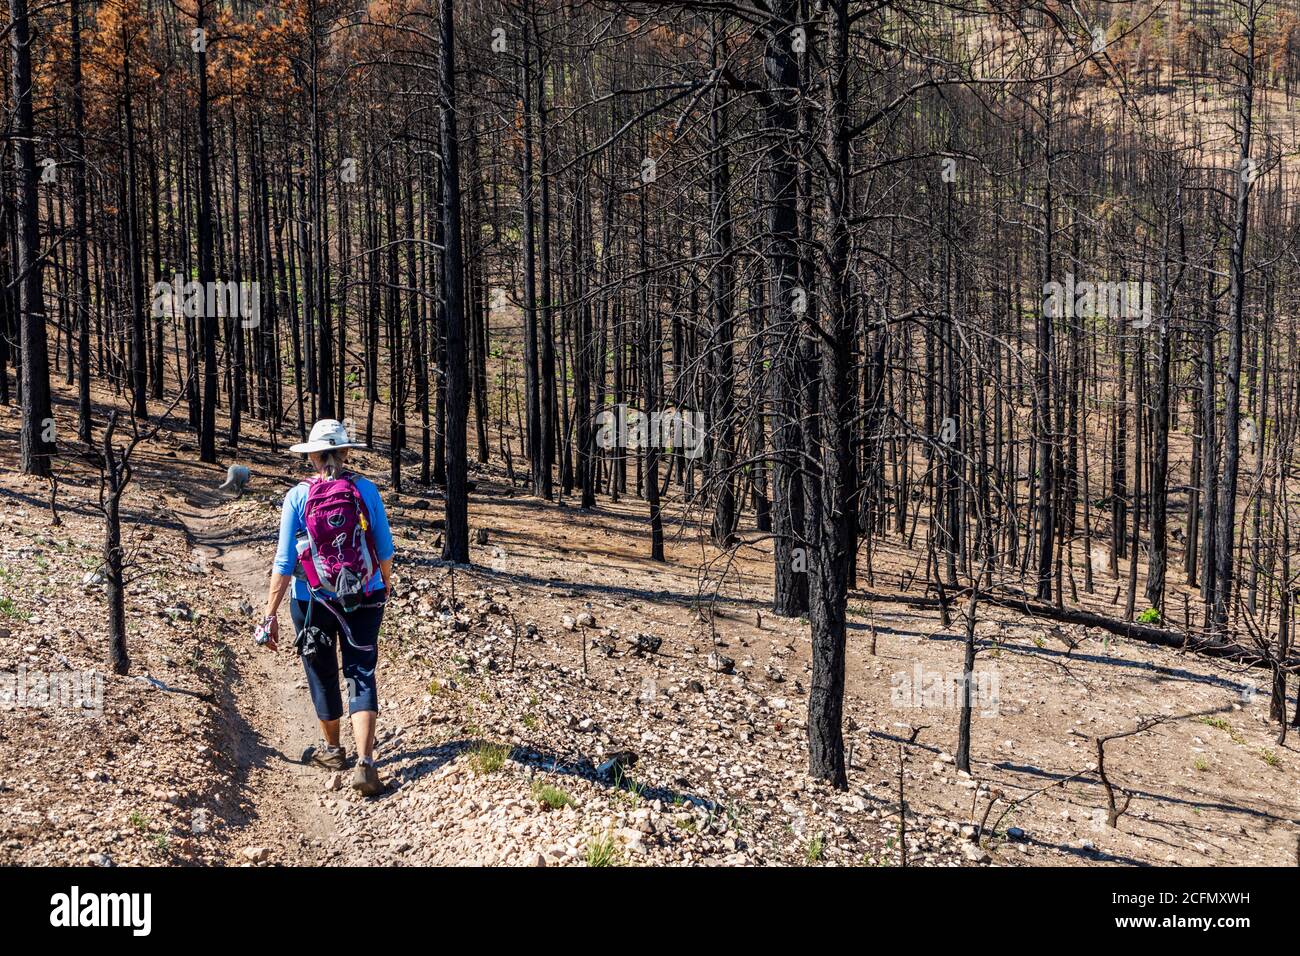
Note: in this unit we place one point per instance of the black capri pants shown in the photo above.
(358, 665)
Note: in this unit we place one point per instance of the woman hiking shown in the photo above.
(336, 547)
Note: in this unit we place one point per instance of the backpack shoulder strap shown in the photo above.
(360, 500)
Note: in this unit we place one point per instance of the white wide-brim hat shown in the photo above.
(325, 435)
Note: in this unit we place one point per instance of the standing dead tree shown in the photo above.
(115, 474)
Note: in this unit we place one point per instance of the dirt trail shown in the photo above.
(271, 711)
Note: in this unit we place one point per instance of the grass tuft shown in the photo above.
(1218, 723)
(488, 758)
(815, 849)
(551, 797)
(602, 851)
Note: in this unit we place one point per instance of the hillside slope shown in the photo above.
(507, 743)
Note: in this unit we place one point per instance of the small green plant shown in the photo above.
(488, 758)
(1150, 616)
(530, 721)
(1270, 758)
(627, 789)
(602, 850)
(687, 823)
(885, 859)
(161, 843)
(1200, 763)
(551, 797)
(815, 849)
(138, 820)
(9, 609)
(1218, 723)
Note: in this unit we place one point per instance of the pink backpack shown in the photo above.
(337, 551)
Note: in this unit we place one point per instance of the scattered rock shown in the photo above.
(720, 663)
(617, 765)
(180, 611)
(974, 852)
(646, 643)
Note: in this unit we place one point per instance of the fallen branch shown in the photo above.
(1227, 650)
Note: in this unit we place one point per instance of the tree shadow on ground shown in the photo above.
(435, 756)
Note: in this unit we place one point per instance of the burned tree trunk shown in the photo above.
(36, 433)
(456, 542)
(115, 477)
(786, 311)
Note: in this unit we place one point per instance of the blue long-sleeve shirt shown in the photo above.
(292, 521)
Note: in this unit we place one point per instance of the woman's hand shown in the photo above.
(279, 584)
(268, 632)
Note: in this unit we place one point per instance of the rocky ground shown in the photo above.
(566, 701)
(138, 775)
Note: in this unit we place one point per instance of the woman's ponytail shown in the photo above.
(331, 464)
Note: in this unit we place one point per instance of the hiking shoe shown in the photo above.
(365, 779)
(331, 758)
